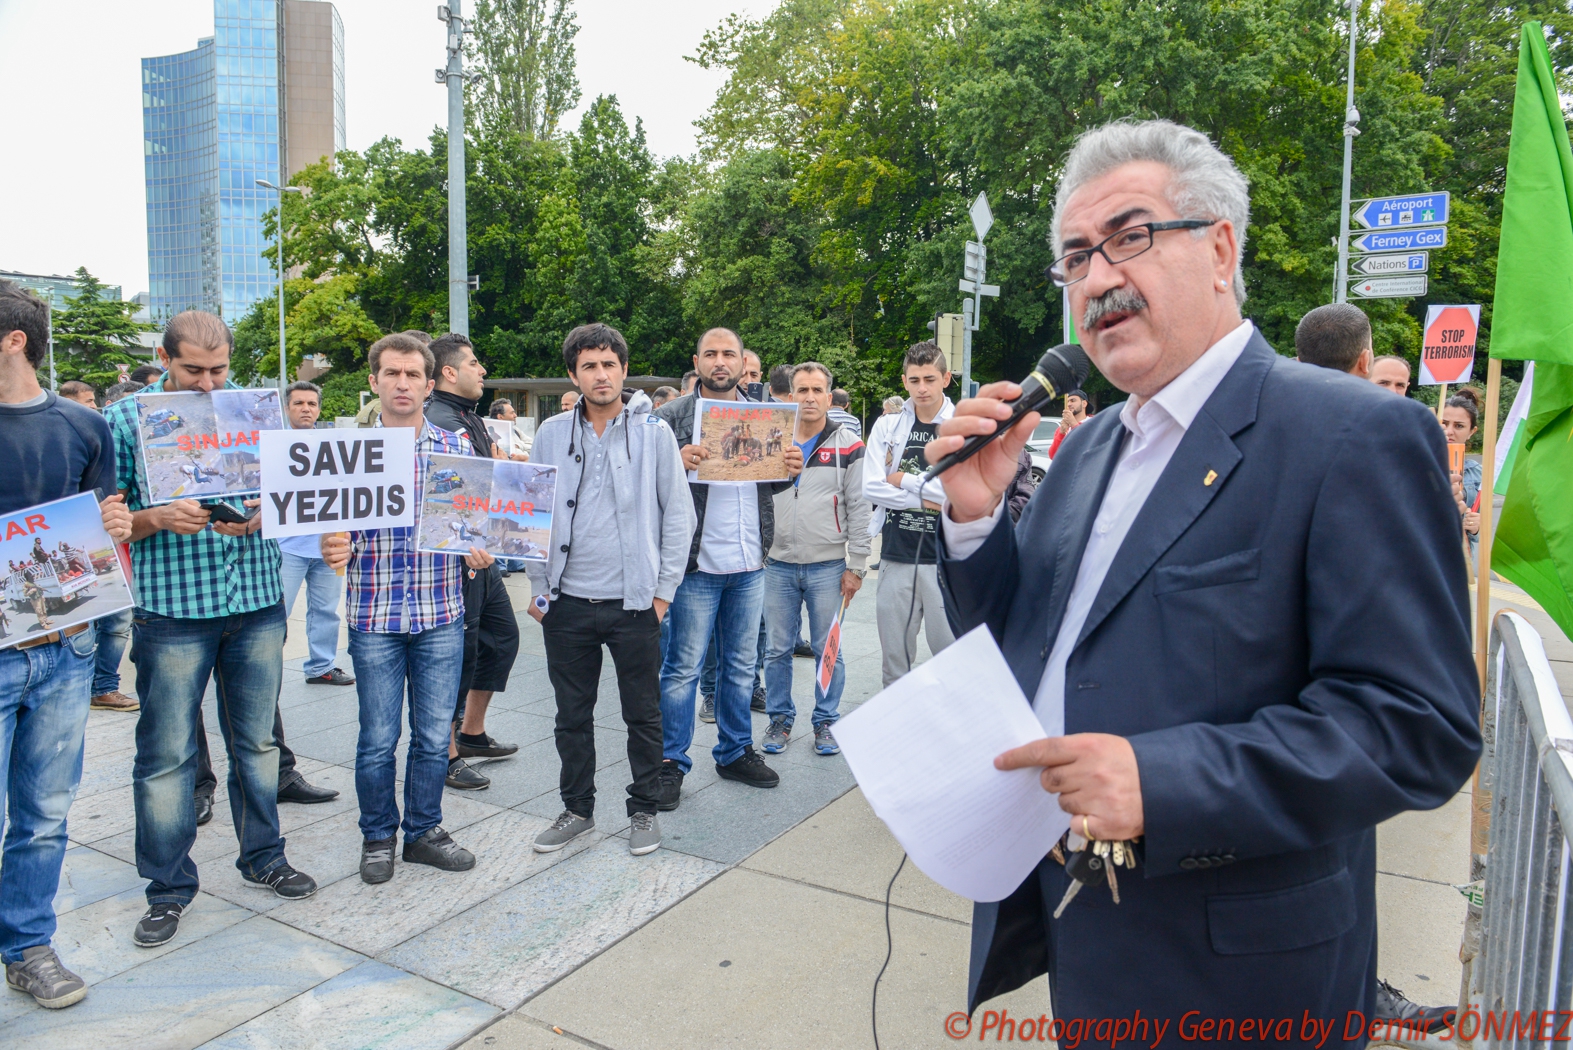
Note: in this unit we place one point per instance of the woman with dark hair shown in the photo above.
(1460, 419)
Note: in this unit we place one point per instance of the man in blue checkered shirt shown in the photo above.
(210, 607)
(406, 618)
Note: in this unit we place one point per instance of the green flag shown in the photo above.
(1533, 320)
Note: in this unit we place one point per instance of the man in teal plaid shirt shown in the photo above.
(210, 607)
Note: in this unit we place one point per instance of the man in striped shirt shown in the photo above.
(406, 618)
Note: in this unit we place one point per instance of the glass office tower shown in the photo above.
(180, 159)
(214, 124)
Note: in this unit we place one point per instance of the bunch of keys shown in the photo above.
(1090, 861)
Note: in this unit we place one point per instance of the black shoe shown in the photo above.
(668, 786)
(438, 849)
(376, 861)
(803, 649)
(285, 882)
(462, 778)
(483, 746)
(295, 789)
(1390, 1005)
(750, 769)
(157, 925)
(757, 703)
(333, 677)
(204, 804)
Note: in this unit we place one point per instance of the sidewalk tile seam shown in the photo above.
(878, 901)
(623, 937)
(535, 1022)
(1415, 878)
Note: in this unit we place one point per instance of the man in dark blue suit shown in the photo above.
(1240, 607)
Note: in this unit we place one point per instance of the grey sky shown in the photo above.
(71, 110)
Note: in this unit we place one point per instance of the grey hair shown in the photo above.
(1205, 183)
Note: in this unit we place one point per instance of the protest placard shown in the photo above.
(747, 441)
(316, 481)
(826, 672)
(511, 436)
(501, 433)
(61, 569)
(499, 505)
(198, 445)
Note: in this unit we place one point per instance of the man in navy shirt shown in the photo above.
(50, 448)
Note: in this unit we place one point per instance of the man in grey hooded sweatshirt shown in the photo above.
(621, 528)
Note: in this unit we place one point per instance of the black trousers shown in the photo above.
(574, 631)
(491, 636)
(207, 783)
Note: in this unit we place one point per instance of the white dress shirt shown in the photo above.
(1153, 432)
(731, 542)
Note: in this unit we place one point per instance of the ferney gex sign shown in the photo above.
(316, 481)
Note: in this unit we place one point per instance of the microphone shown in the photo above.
(1062, 368)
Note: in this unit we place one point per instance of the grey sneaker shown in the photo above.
(41, 975)
(376, 861)
(564, 830)
(707, 709)
(824, 742)
(776, 736)
(644, 834)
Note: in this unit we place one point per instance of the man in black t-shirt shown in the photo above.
(50, 448)
(908, 585)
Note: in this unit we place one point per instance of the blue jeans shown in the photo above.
(727, 604)
(387, 667)
(43, 714)
(787, 588)
(243, 654)
(322, 607)
(707, 676)
(114, 634)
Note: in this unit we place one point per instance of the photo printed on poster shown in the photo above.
(498, 505)
(199, 445)
(62, 569)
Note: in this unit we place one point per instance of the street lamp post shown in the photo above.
(1351, 129)
(452, 75)
(283, 357)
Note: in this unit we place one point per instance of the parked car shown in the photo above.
(1038, 448)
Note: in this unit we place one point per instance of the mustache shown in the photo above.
(1115, 300)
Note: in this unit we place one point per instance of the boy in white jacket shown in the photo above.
(907, 518)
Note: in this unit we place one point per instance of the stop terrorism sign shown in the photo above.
(1447, 355)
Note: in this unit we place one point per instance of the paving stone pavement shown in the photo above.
(760, 906)
(428, 959)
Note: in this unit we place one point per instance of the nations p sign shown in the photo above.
(1447, 355)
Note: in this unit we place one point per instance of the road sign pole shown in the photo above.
(1351, 118)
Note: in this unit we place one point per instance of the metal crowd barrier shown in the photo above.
(1518, 943)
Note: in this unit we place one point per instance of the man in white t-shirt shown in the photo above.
(303, 564)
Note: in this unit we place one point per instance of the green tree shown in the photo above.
(522, 53)
(95, 336)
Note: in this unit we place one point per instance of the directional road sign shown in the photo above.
(1417, 209)
(1400, 240)
(1383, 265)
(1389, 287)
(973, 288)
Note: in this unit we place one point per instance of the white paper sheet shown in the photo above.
(923, 752)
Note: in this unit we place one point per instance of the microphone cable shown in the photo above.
(889, 947)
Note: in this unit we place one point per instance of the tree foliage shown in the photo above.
(826, 213)
(95, 336)
(522, 54)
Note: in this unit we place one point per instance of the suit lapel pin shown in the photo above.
(1212, 476)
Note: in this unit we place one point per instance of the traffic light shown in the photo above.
(949, 333)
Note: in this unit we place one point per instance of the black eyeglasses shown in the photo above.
(1120, 246)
